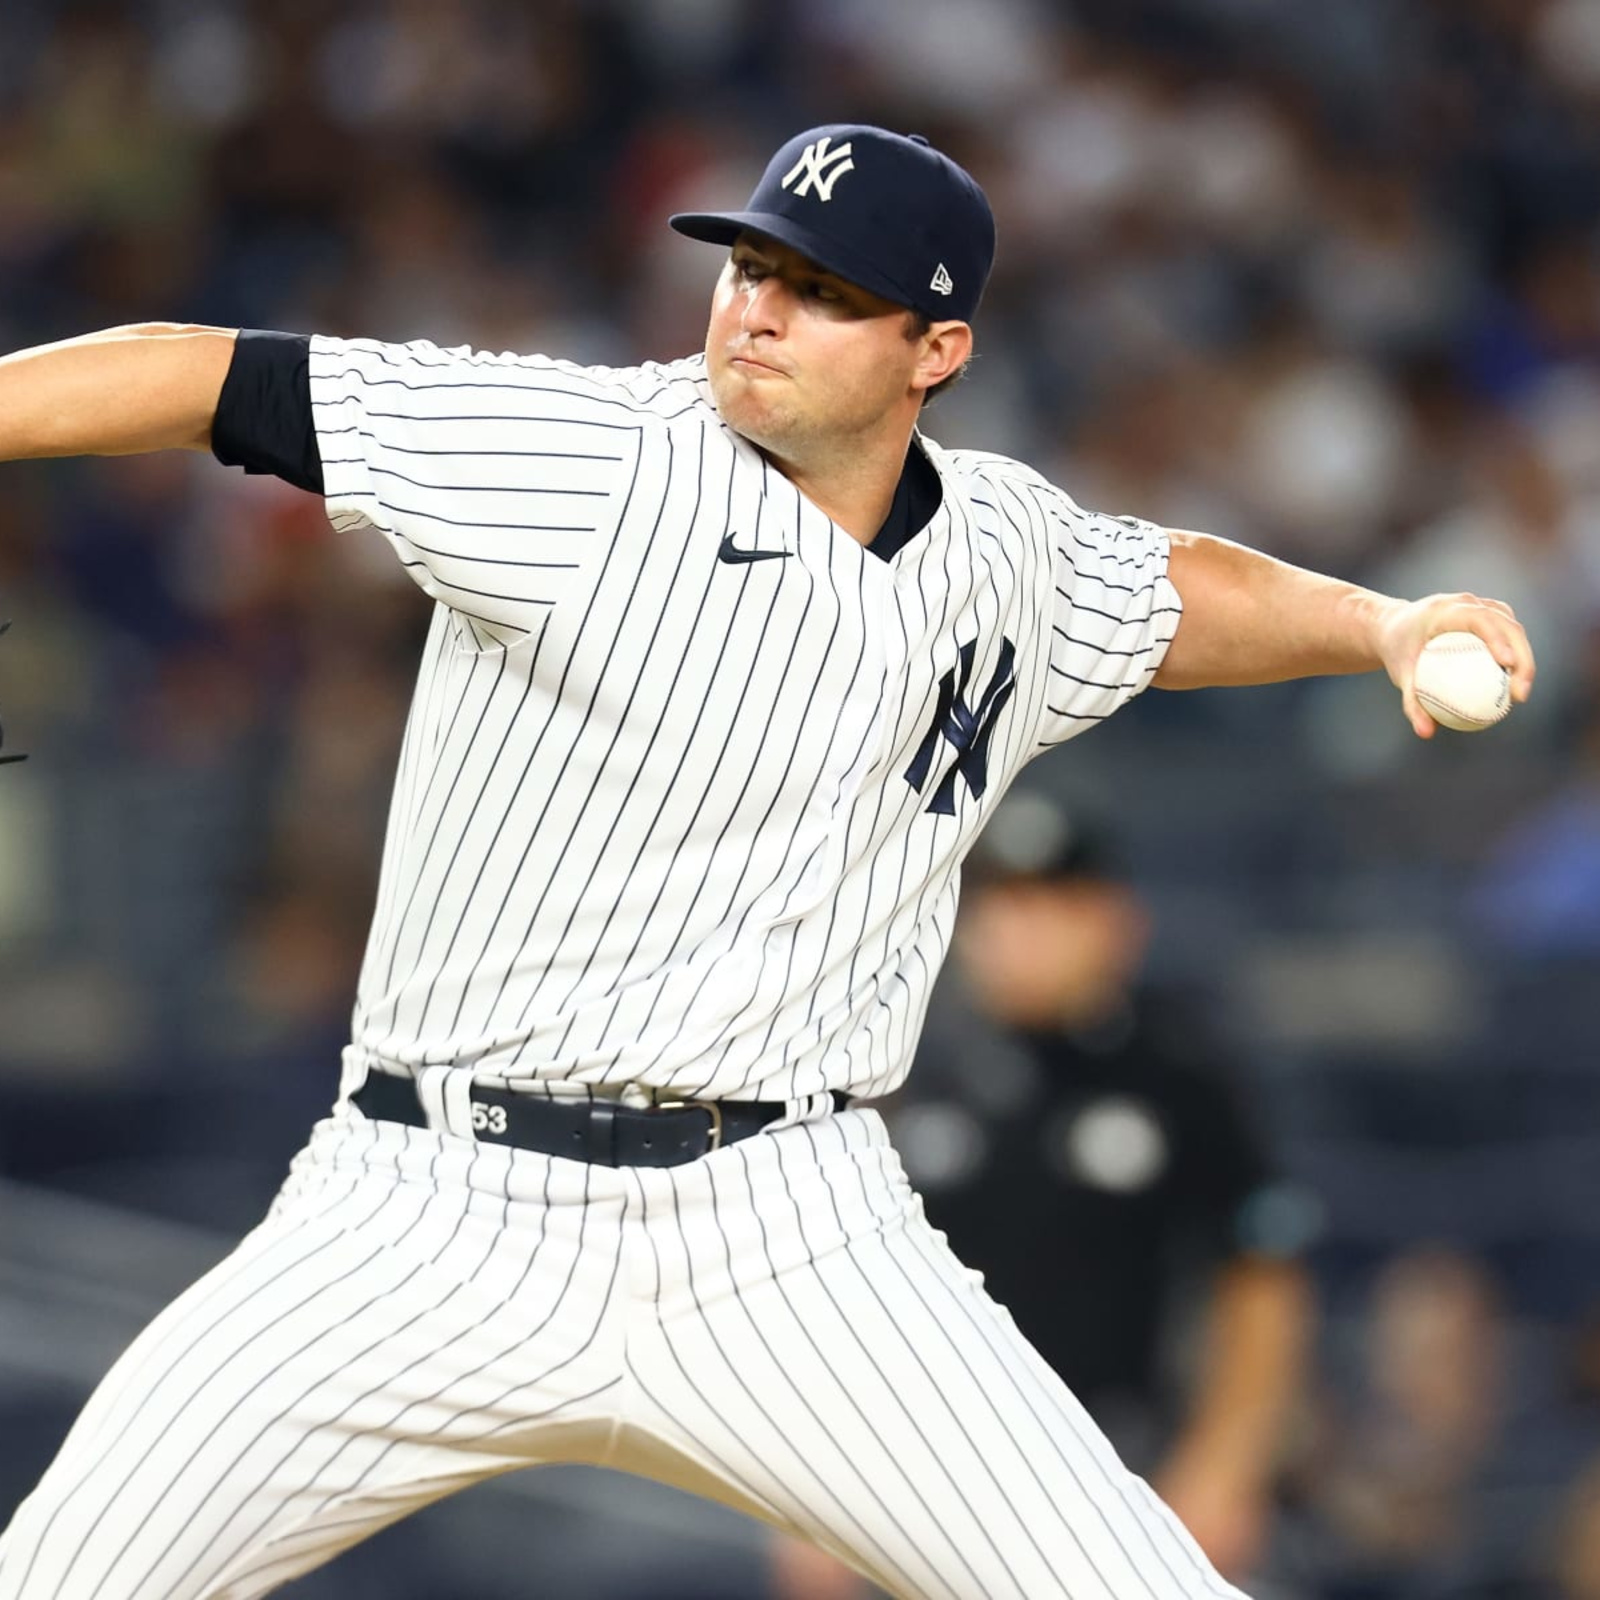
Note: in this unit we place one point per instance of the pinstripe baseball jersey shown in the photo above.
(689, 770)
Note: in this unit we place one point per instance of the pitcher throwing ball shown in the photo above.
(728, 664)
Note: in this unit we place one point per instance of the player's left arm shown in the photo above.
(1249, 618)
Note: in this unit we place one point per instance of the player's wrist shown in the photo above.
(1383, 628)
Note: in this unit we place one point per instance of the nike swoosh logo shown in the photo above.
(729, 551)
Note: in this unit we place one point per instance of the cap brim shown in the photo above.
(723, 227)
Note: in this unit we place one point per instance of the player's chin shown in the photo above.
(749, 413)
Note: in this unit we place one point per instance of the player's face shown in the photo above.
(799, 359)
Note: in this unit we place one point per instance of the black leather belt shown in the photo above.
(597, 1131)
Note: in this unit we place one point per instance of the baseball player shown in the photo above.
(728, 664)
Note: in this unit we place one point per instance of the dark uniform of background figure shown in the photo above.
(1071, 1134)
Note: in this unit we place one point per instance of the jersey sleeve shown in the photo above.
(495, 478)
(1115, 613)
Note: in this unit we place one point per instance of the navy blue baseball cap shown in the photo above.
(883, 210)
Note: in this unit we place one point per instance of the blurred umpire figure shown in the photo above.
(1080, 1150)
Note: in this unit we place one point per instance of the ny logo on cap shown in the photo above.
(819, 168)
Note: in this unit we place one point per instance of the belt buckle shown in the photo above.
(711, 1108)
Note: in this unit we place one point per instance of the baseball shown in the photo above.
(1460, 684)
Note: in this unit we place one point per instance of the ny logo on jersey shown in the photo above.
(819, 168)
(968, 728)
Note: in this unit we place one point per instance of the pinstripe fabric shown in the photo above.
(775, 1326)
(817, 1345)
(665, 824)
(412, 1317)
(652, 825)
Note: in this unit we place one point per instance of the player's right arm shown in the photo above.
(122, 391)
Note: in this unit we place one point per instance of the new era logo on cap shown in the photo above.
(883, 210)
(819, 168)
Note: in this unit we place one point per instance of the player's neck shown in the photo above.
(854, 488)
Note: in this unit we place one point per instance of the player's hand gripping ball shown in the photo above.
(1459, 683)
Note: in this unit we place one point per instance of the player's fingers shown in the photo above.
(1421, 723)
(1496, 624)
(1524, 668)
(1508, 643)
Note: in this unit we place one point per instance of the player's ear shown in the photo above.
(943, 350)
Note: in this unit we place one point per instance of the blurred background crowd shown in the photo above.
(1324, 278)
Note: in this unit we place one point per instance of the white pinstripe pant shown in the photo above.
(774, 1326)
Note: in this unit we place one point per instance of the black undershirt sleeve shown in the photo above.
(263, 421)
